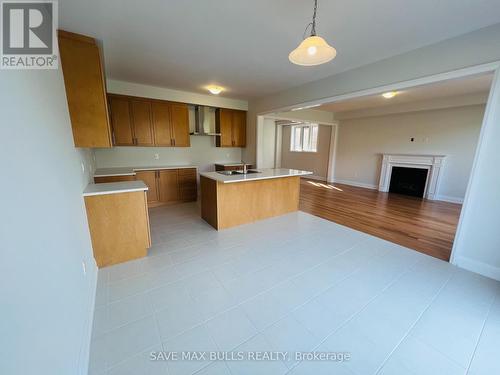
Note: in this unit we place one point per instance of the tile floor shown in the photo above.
(295, 283)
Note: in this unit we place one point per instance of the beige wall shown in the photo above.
(453, 132)
(316, 162)
(268, 143)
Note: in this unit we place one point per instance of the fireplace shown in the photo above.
(408, 181)
(429, 166)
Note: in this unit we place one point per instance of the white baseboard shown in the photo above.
(477, 267)
(357, 184)
(447, 198)
(314, 177)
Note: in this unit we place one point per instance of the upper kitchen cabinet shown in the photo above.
(85, 90)
(162, 124)
(149, 122)
(142, 122)
(231, 124)
(121, 120)
(171, 124)
(179, 118)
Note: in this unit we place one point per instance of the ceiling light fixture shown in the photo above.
(313, 50)
(306, 107)
(216, 90)
(390, 94)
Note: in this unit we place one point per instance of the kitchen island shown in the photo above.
(228, 200)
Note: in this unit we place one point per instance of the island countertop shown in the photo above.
(263, 175)
(114, 188)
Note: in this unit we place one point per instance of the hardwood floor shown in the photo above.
(426, 226)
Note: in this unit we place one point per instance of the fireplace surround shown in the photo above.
(433, 164)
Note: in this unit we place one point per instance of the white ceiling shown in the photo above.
(244, 45)
(478, 84)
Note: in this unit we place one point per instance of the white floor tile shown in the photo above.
(486, 359)
(415, 357)
(126, 341)
(251, 367)
(288, 335)
(215, 368)
(230, 329)
(294, 282)
(141, 363)
(194, 341)
(177, 319)
(127, 310)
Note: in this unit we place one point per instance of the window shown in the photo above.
(304, 138)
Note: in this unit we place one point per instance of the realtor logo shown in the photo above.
(29, 35)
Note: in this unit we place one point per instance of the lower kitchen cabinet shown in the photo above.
(149, 178)
(187, 184)
(165, 186)
(168, 185)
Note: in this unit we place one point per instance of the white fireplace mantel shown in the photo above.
(433, 163)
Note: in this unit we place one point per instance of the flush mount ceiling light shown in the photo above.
(313, 50)
(390, 94)
(216, 90)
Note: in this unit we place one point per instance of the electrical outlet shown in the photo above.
(156, 156)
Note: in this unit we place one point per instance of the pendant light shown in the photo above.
(313, 50)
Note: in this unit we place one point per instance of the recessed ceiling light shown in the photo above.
(216, 90)
(390, 94)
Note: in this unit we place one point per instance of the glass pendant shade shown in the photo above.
(313, 50)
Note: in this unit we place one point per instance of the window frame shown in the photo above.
(303, 126)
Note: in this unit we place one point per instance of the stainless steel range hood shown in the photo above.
(202, 120)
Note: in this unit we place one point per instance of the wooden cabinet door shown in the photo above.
(224, 126)
(149, 178)
(141, 118)
(85, 90)
(161, 124)
(168, 185)
(179, 118)
(121, 121)
(187, 184)
(239, 128)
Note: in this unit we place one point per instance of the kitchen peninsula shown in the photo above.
(234, 198)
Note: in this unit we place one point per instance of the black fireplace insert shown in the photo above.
(408, 181)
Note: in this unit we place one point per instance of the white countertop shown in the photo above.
(114, 188)
(130, 171)
(263, 175)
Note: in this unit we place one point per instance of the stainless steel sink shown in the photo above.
(239, 172)
(249, 171)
